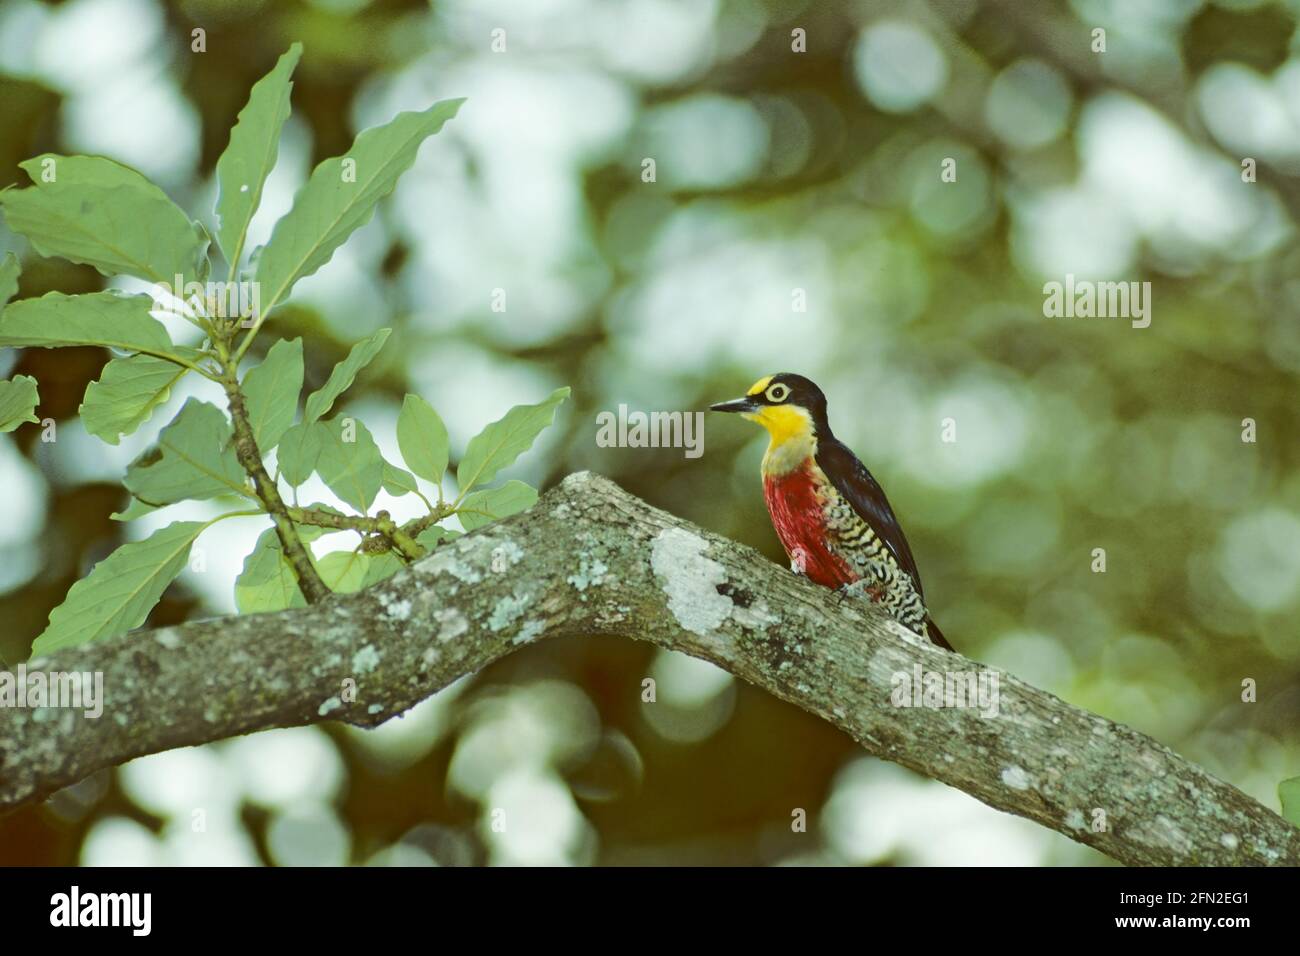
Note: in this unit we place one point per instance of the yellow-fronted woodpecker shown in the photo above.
(830, 513)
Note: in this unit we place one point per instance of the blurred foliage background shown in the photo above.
(779, 174)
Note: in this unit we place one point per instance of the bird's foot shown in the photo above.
(858, 590)
(852, 592)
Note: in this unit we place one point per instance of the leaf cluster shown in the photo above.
(92, 210)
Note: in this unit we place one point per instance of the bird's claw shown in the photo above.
(855, 591)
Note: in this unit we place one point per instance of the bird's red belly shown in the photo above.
(798, 515)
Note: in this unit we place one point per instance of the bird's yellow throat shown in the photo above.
(793, 440)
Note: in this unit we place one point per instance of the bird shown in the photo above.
(831, 515)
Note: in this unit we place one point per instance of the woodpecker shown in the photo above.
(831, 515)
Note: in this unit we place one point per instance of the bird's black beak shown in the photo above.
(745, 404)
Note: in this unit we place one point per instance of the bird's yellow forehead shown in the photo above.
(758, 386)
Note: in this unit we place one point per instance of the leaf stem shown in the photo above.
(257, 325)
(249, 513)
(185, 363)
(427, 503)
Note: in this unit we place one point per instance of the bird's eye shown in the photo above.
(778, 392)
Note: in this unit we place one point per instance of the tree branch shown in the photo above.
(591, 559)
(382, 530)
(314, 590)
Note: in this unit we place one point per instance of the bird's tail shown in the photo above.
(936, 636)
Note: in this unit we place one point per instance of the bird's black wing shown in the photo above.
(852, 480)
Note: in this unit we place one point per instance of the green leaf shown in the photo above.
(399, 481)
(422, 437)
(18, 400)
(320, 401)
(381, 566)
(272, 391)
(121, 590)
(429, 538)
(97, 318)
(503, 441)
(128, 391)
(267, 582)
(344, 571)
(299, 449)
(484, 507)
(194, 458)
(340, 196)
(1288, 791)
(349, 462)
(135, 508)
(9, 271)
(250, 157)
(105, 215)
